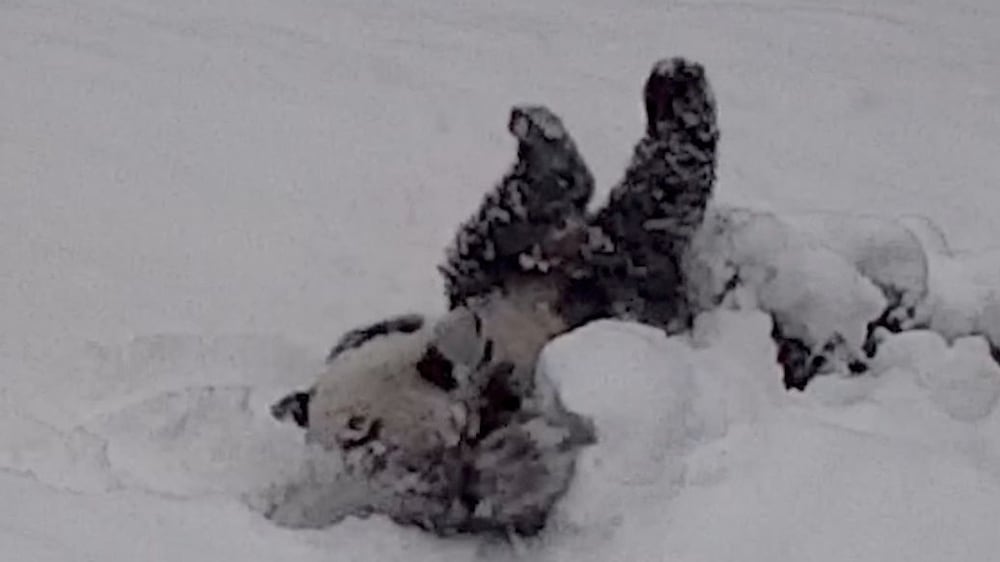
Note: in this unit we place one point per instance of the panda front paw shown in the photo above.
(548, 186)
(678, 97)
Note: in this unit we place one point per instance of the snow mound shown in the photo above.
(883, 250)
(698, 436)
(961, 378)
(828, 278)
(655, 402)
(754, 259)
(964, 295)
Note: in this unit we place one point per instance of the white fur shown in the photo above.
(379, 382)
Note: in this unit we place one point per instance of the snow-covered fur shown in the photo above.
(440, 425)
(638, 237)
(623, 261)
(548, 186)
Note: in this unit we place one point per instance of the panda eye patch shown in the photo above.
(436, 369)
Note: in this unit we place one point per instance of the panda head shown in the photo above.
(383, 334)
(409, 365)
(386, 382)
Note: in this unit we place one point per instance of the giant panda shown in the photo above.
(443, 418)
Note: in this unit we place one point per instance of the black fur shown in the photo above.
(637, 240)
(548, 185)
(623, 261)
(501, 399)
(796, 360)
(436, 369)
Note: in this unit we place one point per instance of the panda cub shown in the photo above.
(444, 422)
(440, 423)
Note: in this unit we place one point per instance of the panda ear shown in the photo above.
(436, 369)
(294, 407)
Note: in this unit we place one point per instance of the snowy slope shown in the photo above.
(196, 198)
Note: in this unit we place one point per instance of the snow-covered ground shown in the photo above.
(197, 198)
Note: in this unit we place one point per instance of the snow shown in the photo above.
(961, 379)
(818, 295)
(728, 468)
(885, 251)
(198, 198)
